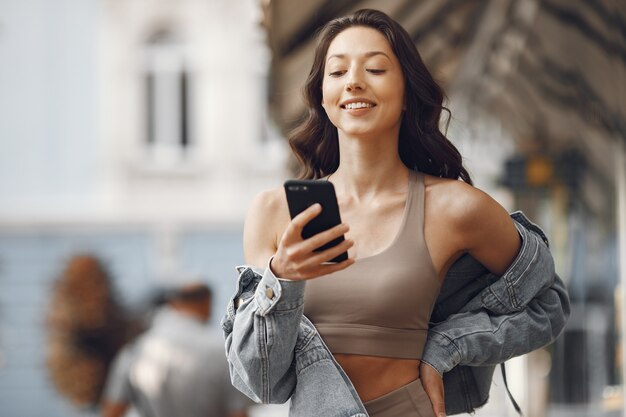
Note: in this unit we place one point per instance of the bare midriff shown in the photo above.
(374, 376)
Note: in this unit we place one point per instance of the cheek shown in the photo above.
(397, 92)
(324, 94)
(327, 100)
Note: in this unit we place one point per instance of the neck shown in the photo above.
(368, 166)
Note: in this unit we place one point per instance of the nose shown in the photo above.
(354, 81)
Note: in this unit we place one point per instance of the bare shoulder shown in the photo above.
(475, 222)
(267, 217)
(269, 201)
(462, 204)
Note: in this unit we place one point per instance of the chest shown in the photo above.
(373, 226)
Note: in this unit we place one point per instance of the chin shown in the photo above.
(358, 133)
(366, 132)
(353, 129)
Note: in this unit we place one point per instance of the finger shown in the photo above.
(436, 399)
(326, 269)
(305, 249)
(328, 254)
(305, 264)
(326, 236)
(433, 385)
(439, 406)
(294, 228)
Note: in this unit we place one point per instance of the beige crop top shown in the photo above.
(381, 305)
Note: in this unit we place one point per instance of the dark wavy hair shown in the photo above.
(422, 146)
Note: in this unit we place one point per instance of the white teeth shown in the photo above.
(358, 105)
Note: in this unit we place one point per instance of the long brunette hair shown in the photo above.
(422, 146)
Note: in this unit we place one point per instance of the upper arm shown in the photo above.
(263, 226)
(486, 231)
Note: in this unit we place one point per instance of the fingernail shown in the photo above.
(441, 415)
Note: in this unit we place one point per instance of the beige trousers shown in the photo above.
(407, 401)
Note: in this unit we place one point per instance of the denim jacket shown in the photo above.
(479, 320)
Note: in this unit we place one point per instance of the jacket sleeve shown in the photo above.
(261, 328)
(523, 310)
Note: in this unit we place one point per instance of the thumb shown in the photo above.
(433, 385)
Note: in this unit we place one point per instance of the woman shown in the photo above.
(373, 131)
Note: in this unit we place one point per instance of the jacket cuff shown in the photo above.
(280, 295)
(440, 353)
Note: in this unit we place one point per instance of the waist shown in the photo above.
(361, 339)
(374, 376)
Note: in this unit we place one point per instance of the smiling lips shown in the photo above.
(361, 104)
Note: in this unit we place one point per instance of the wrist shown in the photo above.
(423, 364)
(440, 353)
(275, 294)
(274, 271)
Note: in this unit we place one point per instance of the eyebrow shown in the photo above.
(367, 55)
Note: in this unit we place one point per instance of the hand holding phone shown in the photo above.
(313, 242)
(302, 194)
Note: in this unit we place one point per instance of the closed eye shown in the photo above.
(376, 71)
(337, 73)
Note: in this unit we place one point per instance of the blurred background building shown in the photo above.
(139, 130)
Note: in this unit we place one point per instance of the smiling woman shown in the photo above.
(386, 49)
(373, 132)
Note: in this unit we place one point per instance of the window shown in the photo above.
(167, 113)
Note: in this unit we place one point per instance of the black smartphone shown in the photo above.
(301, 194)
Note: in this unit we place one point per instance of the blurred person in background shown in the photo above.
(177, 367)
(419, 241)
(87, 325)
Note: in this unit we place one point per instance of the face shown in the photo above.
(363, 85)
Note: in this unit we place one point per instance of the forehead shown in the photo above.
(359, 40)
